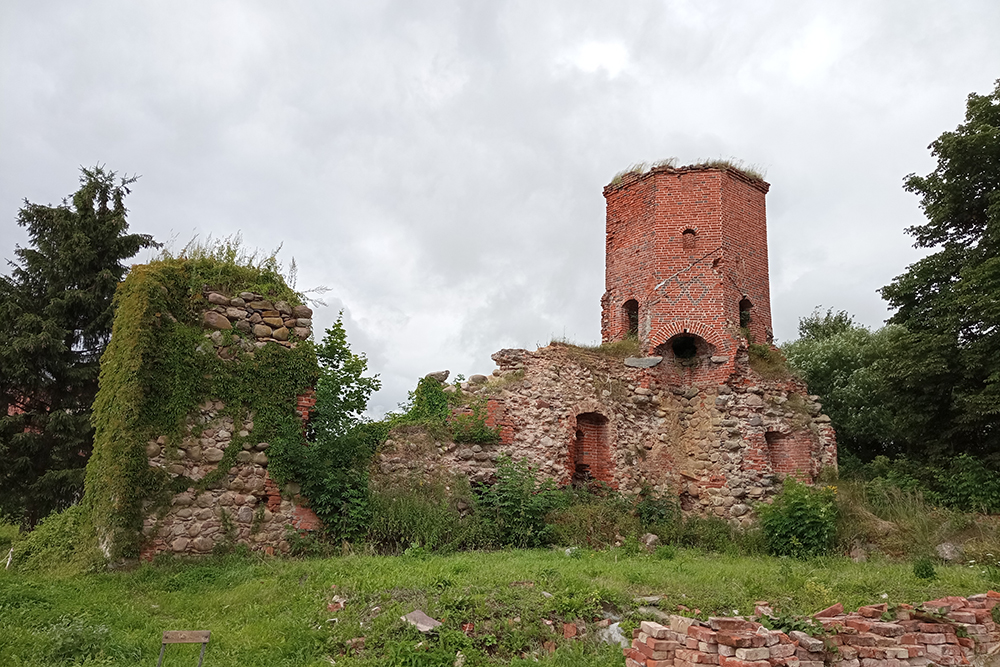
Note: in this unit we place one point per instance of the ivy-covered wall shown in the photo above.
(198, 414)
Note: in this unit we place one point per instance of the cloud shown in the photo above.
(440, 165)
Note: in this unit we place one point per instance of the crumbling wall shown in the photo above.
(718, 447)
(204, 389)
(243, 505)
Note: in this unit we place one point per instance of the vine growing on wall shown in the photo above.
(159, 368)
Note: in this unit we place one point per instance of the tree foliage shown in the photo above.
(334, 466)
(949, 302)
(845, 364)
(55, 320)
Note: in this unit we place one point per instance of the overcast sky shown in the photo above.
(439, 165)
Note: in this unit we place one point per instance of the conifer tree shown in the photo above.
(55, 320)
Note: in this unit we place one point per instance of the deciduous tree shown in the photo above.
(948, 366)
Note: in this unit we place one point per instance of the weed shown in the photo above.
(514, 508)
(665, 552)
(768, 362)
(801, 522)
(923, 568)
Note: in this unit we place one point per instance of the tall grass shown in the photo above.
(902, 524)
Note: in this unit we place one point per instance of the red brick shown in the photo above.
(635, 654)
(873, 610)
(702, 634)
(738, 641)
(858, 624)
(934, 627)
(835, 610)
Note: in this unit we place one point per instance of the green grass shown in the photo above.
(274, 612)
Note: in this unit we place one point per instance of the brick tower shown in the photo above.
(686, 264)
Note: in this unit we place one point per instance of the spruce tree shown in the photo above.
(56, 313)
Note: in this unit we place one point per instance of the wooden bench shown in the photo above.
(185, 637)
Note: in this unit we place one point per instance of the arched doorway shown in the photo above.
(590, 451)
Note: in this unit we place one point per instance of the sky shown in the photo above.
(439, 166)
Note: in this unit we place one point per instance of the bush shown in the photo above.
(61, 541)
(708, 533)
(802, 521)
(423, 515)
(967, 484)
(472, 427)
(513, 510)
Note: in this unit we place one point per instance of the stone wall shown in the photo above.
(948, 631)
(718, 447)
(244, 506)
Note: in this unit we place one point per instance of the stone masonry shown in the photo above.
(246, 506)
(580, 416)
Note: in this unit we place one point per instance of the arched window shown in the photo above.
(631, 312)
(689, 239)
(745, 307)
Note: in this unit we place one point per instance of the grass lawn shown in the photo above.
(275, 612)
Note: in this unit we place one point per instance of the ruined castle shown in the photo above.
(202, 386)
(692, 414)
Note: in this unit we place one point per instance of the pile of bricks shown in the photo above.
(948, 631)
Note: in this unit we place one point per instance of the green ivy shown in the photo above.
(157, 370)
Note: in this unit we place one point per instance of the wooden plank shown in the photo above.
(186, 636)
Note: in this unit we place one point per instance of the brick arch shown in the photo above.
(668, 331)
(599, 454)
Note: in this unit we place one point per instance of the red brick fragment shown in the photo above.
(835, 610)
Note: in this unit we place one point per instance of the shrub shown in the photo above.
(472, 427)
(967, 484)
(802, 521)
(64, 540)
(708, 533)
(659, 514)
(513, 509)
(923, 568)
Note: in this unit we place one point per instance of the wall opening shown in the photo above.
(590, 451)
(689, 239)
(686, 355)
(631, 312)
(684, 347)
(745, 307)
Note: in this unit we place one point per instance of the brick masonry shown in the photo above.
(687, 246)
